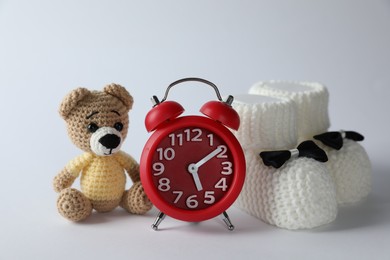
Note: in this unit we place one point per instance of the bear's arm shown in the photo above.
(71, 171)
(130, 165)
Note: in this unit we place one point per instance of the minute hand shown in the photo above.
(208, 157)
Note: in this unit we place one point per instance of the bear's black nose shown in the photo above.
(110, 141)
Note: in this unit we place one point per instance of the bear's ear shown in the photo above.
(120, 92)
(70, 101)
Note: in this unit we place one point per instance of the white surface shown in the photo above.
(48, 48)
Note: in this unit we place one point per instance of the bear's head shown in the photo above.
(97, 121)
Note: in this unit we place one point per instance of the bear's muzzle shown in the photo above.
(106, 141)
(110, 141)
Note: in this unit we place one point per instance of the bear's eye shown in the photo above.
(92, 127)
(118, 126)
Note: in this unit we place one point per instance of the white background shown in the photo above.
(48, 48)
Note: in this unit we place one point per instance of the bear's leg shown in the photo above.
(135, 200)
(105, 205)
(73, 205)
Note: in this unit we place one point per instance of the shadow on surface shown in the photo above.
(374, 210)
(243, 224)
(115, 215)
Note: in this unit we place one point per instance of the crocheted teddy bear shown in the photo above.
(97, 123)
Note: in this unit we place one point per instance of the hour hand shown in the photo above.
(193, 169)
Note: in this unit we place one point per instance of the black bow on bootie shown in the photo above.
(335, 139)
(305, 149)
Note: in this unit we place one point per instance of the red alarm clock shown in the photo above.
(192, 167)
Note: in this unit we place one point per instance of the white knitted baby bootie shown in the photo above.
(300, 194)
(311, 98)
(348, 164)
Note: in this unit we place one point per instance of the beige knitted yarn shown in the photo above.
(97, 123)
(78, 107)
(135, 201)
(312, 103)
(300, 194)
(73, 205)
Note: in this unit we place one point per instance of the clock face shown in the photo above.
(193, 168)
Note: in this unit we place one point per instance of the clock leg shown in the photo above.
(159, 219)
(226, 219)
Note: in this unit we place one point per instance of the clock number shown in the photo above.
(179, 139)
(211, 139)
(167, 154)
(178, 194)
(226, 168)
(163, 184)
(191, 202)
(221, 184)
(196, 138)
(209, 197)
(222, 154)
(158, 168)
